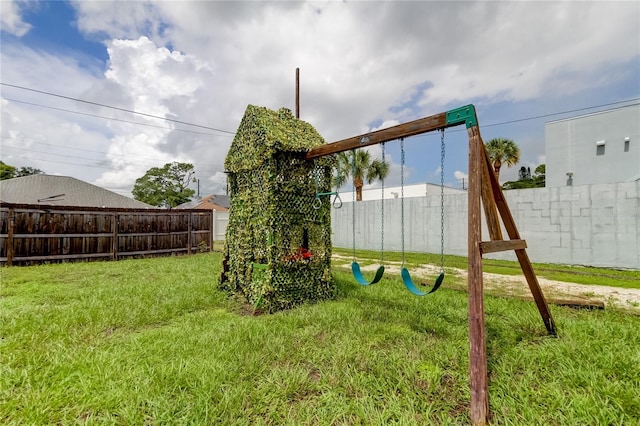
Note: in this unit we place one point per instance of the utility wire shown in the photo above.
(85, 150)
(113, 119)
(93, 166)
(201, 167)
(565, 112)
(134, 169)
(116, 108)
(69, 156)
(232, 133)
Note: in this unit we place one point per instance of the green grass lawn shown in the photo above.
(154, 342)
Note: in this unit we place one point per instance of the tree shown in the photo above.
(165, 186)
(10, 172)
(524, 173)
(358, 165)
(6, 171)
(526, 180)
(502, 151)
(28, 171)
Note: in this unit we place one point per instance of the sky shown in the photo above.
(363, 66)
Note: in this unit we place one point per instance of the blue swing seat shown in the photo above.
(408, 282)
(355, 268)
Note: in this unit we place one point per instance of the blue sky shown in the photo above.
(363, 65)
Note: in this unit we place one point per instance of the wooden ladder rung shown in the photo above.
(503, 245)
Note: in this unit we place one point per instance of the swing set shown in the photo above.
(483, 190)
(404, 273)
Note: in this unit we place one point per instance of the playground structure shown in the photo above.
(278, 239)
(305, 221)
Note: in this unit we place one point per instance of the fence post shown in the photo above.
(213, 229)
(114, 237)
(10, 237)
(189, 232)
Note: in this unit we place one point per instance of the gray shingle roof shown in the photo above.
(62, 191)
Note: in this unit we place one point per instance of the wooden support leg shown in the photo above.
(523, 258)
(536, 291)
(477, 338)
(489, 205)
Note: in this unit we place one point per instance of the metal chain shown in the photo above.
(402, 196)
(316, 172)
(353, 206)
(382, 212)
(442, 201)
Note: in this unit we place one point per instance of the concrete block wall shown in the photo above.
(596, 225)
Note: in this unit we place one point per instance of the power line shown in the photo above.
(565, 112)
(116, 108)
(200, 166)
(68, 156)
(64, 162)
(518, 120)
(112, 119)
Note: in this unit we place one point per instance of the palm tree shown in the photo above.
(358, 165)
(502, 151)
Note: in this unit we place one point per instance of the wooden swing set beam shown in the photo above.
(484, 189)
(412, 128)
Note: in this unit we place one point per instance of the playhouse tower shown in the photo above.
(278, 240)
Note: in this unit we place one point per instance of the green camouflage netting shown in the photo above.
(277, 244)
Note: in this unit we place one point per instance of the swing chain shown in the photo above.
(442, 152)
(317, 202)
(382, 212)
(353, 205)
(402, 196)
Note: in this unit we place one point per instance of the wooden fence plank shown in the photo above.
(10, 248)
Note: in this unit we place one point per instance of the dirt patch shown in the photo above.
(516, 285)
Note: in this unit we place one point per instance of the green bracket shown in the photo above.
(465, 114)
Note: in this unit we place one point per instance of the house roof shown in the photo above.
(262, 132)
(62, 191)
(210, 202)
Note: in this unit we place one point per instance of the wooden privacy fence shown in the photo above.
(31, 234)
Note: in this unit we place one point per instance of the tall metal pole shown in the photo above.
(297, 92)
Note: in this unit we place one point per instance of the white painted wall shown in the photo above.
(603, 147)
(597, 225)
(410, 191)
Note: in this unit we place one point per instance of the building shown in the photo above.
(219, 203)
(48, 190)
(603, 147)
(409, 191)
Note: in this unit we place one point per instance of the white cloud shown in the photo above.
(385, 125)
(159, 82)
(47, 141)
(52, 140)
(11, 19)
(460, 175)
(352, 73)
(119, 19)
(361, 63)
(218, 183)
